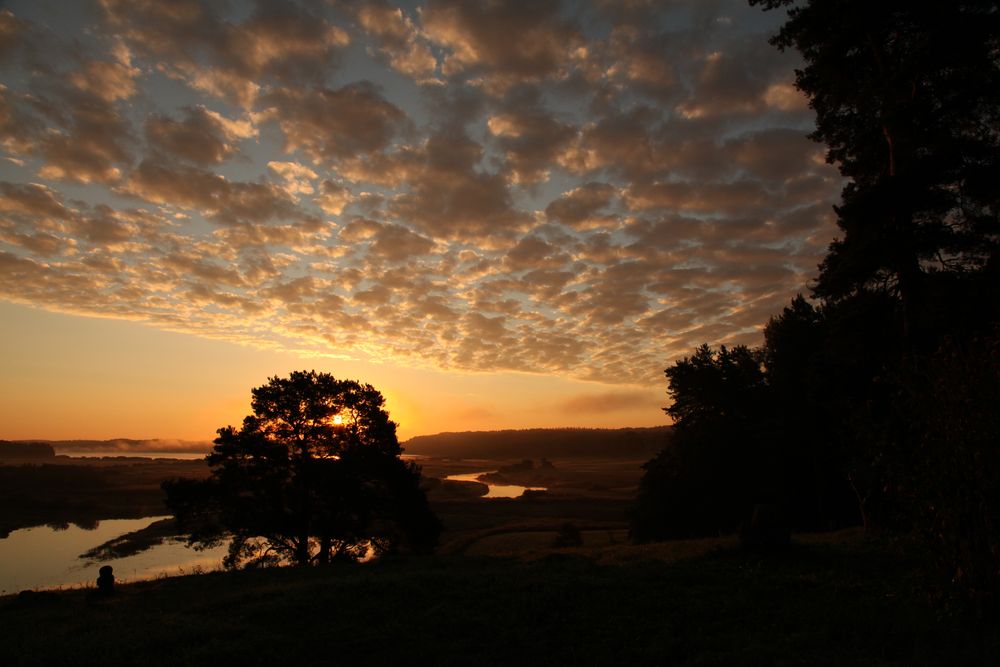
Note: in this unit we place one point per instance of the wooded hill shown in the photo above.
(637, 443)
(126, 446)
(25, 450)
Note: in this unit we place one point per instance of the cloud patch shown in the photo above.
(604, 402)
(584, 189)
(202, 136)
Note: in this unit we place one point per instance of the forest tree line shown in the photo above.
(875, 400)
(543, 442)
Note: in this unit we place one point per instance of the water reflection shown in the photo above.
(495, 490)
(42, 557)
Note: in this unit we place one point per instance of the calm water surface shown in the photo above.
(495, 490)
(117, 454)
(188, 456)
(42, 557)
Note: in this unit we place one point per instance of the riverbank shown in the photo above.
(86, 491)
(830, 600)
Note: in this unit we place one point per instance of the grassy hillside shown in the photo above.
(829, 601)
(543, 443)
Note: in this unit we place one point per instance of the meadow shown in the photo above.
(833, 599)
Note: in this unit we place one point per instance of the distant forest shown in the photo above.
(635, 443)
(123, 445)
(25, 450)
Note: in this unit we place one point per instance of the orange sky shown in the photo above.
(84, 377)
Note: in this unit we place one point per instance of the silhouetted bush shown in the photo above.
(568, 536)
(948, 408)
(767, 529)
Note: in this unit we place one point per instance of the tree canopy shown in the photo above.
(711, 386)
(881, 391)
(718, 463)
(907, 100)
(314, 473)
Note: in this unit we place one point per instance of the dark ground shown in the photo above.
(499, 593)
(830, 600)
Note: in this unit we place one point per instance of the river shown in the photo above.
(495, 490)
(42, 557)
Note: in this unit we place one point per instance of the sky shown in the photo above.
(500, 214)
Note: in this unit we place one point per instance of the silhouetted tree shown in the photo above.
(821, 364)
(768, 427)
(907, 100)
(710, 386)
(950, 478)
(717, 464)
(313, 474)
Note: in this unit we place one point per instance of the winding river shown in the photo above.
(44, 557)
(495, 490)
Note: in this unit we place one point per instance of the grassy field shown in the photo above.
(592, 494)
(829, 600)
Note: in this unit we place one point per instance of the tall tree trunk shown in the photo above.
(324, 550)
(865, 520)
(302, 549)
(893, 113)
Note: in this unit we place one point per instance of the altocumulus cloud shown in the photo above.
(586, 189)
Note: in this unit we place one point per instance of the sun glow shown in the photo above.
(338, 420)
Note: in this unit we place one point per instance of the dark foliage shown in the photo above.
(890, 386)
(313, 474)
(943, 443)
(907, 100)
(823, 368)
(717, 465)
(767, 529)
(714, 387)
(26, 450)
(568, 536)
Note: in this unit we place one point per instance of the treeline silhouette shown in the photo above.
(875, 401)
(59, 495)
(634, 443)
(124, 446)
(26, 450)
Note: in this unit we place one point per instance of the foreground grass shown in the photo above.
(840, 602)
